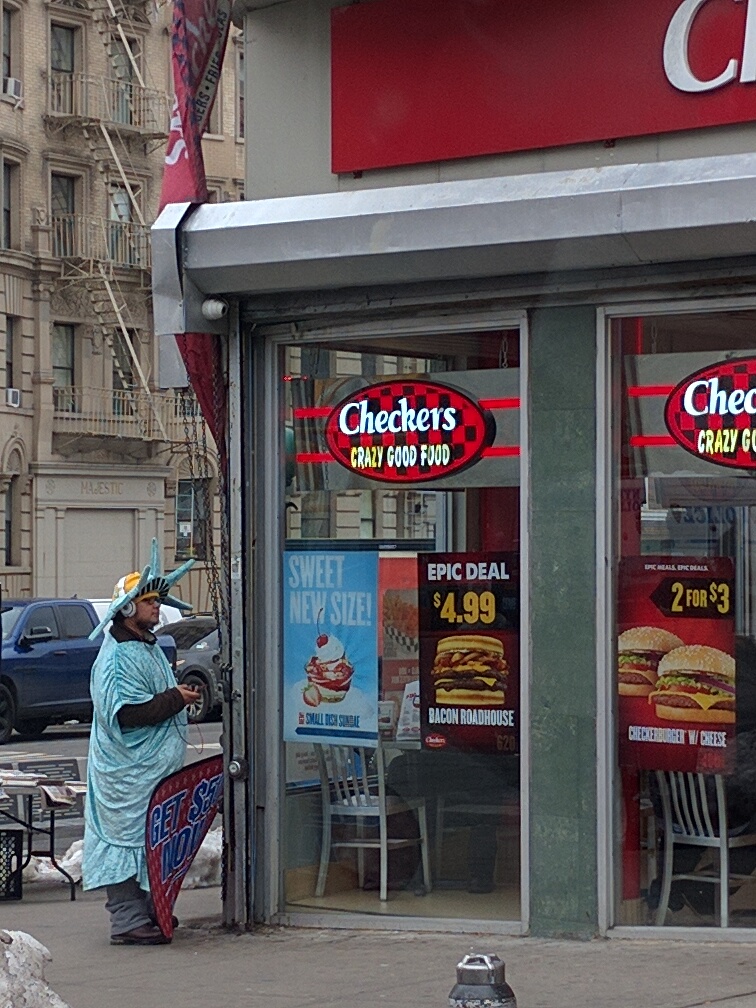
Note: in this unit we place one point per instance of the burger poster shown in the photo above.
(469, 651)
(331, 647)
(675, 663)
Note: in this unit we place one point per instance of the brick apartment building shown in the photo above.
(93, 454)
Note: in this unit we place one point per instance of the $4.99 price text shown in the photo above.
(475, 607)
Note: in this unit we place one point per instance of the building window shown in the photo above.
(63, 360)
(215, 119)
(9, 47)
(12, 522)
(193, 526)
(123, 373)
(64, 95)
(11, 195)
(10, 352)
(63, 213)
(125, 239)
(124, 55)
(240, 94)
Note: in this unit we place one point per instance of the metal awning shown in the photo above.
(615, 216)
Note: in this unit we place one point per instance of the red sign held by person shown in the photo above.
(408, 431)
(181, 811)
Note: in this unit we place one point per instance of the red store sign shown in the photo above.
(432, 80)
(711, 413)
(408, 431)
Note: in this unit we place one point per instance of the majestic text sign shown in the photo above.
(712, 413)
(416, 82)
(408, 431)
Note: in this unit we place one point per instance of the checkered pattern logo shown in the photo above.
(722, 437)
(382, 451)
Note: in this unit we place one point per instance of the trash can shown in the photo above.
(11, 856)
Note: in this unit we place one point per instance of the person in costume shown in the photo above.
(138, 737)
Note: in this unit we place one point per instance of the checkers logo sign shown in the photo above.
(711, 413)
(408, 431)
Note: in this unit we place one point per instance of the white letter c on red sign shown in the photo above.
(676, 62)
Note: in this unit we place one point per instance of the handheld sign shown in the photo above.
(181, 811)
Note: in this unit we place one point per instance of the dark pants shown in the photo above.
(129, 907)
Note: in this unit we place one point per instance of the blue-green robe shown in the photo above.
(125, 765)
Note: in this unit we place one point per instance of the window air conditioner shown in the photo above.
(13, 86)
(12, 397)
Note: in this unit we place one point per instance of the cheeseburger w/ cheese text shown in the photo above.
(640, 651)
(696, 683)
(470, 670)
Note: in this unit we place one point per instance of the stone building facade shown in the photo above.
(94, 456)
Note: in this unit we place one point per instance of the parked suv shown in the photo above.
(197, 662)
(46, 662)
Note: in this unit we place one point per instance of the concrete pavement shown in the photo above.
(292, 968)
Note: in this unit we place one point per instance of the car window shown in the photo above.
(10, 615)
(187, 632)
(42, 616)
(75, 621)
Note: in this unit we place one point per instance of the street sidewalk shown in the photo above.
(292, 968)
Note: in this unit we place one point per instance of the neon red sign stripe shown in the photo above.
(311, 412)
(311, 458)
(499, 403)
(640, 391)
(501, 451)
(652, 441)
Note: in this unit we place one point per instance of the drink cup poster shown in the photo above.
(331, 647)
(469, 651)
(676, 676)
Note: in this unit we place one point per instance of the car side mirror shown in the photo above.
(37, 634)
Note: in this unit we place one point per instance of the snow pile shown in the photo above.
(43, 870)
(205, 870)
(22, 973)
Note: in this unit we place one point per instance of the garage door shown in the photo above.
(99, 549)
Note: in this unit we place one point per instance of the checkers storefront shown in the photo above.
(492, 357)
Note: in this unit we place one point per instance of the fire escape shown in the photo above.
(120, 120)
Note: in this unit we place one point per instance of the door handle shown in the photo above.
(59, 652)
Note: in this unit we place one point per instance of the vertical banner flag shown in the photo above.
(181, 811)
(676, 663)
(331, 647)
(469, 651)
(198, 42)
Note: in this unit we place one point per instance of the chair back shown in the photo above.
(345, 775)
(693, 804)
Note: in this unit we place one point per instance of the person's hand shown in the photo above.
(190, 694)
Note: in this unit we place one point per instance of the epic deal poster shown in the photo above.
(469, 651)
(331, 646)
(676, 624)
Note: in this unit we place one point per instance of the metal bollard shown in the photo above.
(481, 984)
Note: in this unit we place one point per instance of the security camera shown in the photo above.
(214, 309)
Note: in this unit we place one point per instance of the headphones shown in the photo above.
(129, 609)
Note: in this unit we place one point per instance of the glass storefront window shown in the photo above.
(686, 644)
(401, 625)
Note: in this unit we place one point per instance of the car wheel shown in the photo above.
(31, 728)
(7, 714)
(198, 712)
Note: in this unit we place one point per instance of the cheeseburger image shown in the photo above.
(640, 651)
(696, 683)
(469, 670)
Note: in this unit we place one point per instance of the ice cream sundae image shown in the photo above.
(329, 672)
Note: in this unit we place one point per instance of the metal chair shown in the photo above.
(687, 820)
(353, 795)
